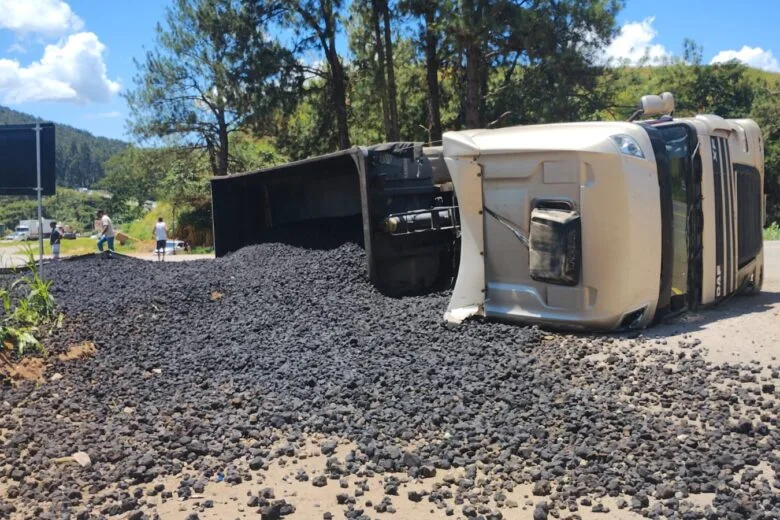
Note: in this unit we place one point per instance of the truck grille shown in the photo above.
(748, 212)
(725, 225)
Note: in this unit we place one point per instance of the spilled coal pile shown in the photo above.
(203, 364)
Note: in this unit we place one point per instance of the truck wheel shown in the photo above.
(754, 288)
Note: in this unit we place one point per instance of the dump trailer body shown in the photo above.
(383, 197)
(248, 206)
(607, 225)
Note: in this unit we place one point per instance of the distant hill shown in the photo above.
(79, 154)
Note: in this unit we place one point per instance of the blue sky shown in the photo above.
(68, 61)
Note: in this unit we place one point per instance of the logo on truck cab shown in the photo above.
(718, 281)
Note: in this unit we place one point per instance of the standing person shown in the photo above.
(160, 232)
(54, 239)
(107, 234)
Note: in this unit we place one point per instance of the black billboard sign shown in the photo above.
(18, 159)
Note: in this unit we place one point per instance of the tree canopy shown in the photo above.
(213, 71)
(306, 77)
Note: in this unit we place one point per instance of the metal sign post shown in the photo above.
(39, 190)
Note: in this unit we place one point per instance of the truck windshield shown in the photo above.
(679, 181)
(678, 151)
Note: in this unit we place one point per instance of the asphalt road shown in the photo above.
(12, 256)
(743, 329)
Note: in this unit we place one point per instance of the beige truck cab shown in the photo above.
(606, 225)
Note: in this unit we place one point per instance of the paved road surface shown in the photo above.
(743, 329)
(172, 258)
(13, 256)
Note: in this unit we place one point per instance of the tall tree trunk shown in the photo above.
(390, 68)
(211, 150)
(339, 92)
(483, 88)
(376, 12)
(471, 23)
(473, 58)
(222, 151)
(432, 74)
(324, 26)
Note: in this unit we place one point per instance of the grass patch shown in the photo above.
(141, 229)
(28, 312)
(772, 232)
(79, 246)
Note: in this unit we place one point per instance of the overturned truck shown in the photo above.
(599, 226)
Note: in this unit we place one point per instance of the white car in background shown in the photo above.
(173, 247)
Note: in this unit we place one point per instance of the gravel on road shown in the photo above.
(208, 371)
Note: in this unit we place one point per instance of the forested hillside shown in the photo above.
(80, 155)
(67, 206)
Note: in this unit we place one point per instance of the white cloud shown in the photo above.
(16, 48)
(47, 17)
(634, 43)
(103, 115)
(751, 56)
(72, 70)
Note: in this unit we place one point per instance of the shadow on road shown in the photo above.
(737, 307)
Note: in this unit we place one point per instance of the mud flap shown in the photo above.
(468, 296)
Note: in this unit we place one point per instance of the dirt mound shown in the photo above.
(27, 369)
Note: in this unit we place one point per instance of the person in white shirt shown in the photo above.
(161, 236)
(107, 234)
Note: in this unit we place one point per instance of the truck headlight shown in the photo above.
(627, 145)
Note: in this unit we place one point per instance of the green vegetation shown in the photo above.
(416, 68)
(141, 229)
(79, 154)
(78, 246)
(28, 312)
(772, 232)
(70, 207)
(224, 92)
(213, 70)
(179, 180)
